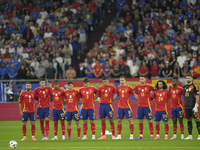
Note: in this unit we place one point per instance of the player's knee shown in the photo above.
(111, 120)
(149, 121)
(140, 120)
(24, 123)
(157, 122)
(165, 122)
(69, 122)
(46, 119)
(119, 121)
(77, 123)
(180, 120)
(91, 121)
(32, 122)
(130, 120)
(103, 120)
(85, 121)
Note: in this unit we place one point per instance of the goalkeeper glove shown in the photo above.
(195, 109)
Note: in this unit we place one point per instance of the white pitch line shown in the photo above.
(102, 147)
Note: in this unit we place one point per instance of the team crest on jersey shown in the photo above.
(173, 92)
(106, 91)
(29, 96)
(122, 91)
(87, 92)
(56, 94)
(186, 90)
(160, 94)
(43, 92)
(70, 96)
(142, 90)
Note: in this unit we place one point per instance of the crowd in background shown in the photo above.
(41, 38)
(155, 38)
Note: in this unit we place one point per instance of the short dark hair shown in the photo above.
(19, 87)
(143, 76)
(55, 82)
(42, 79)
(85, 80)
(175, 78)
(105, 78)
(189, 75)
(28, 82)
(164, 84)
(122, 77)
(68, 83)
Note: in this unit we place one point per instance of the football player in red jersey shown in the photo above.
(162, 96)
(27, 100)
(87, 94)
(57, 95)
(176, 93)
(144, 107)
(43, 113)
(124, 91)
(72, 97)
(105, 92)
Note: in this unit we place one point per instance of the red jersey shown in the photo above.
(93, 6)
(75, 5)
(18, 6)
(144, 93)
(106, 93)
(144, 70)
(58, 98)
(98, 68)
(161, 99)
(121, 62)
(124, 93)
(87, 95)
(175, 96)
(72, 100)
(27, 100)
(43, 96)
(155, 71)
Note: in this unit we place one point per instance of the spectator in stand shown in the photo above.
(22, 72)
(40, 72)
(10, 93)
(107, 69)
(44, 62)
(89, 71)
(120, 4)
(12, 72)
(80, 71)
(34, 64)
(125, 70)
(70, 73)
(116, 72)
(98, 69)
(112, 28)
(155, 70)
(134, 69)
(144, 70)
(31, 73)
(16, 63)
(51, 72)
(24, 54)
(167, 71)
(181, 59)
(177, 70)
(186, 69)
(3, 72)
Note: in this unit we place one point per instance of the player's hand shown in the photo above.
(195, 109)
(62, 89)
(21, 113)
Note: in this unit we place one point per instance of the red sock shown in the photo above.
(141, 128)
(24, 130)
(119, 128)
(55, 128)
(85, 127)
(112, 126)
(166, 129)
(174, 128)
(33, 130)
(69, 132)
(63, 126)
(103, 127)
(93, 128)
(79, 132)
(157, 129)
(47, 128)
(42, 127)
(182, 128)
(131, 128)
(151, 128)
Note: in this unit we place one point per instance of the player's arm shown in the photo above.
(136, 96)
(114, 97)
(20, 105)
(195, 109)
(153, 96)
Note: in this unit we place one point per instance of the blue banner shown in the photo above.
(3, 89)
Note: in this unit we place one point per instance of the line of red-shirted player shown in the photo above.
(86, 94)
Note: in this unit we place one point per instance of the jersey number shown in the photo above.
(106, 95)
(87, 96)
(29, 100)
(122, 95)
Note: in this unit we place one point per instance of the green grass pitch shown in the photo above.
(11, 130)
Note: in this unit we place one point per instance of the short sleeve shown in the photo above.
(153, 96)
(117, 91)
(95, 90)
(114, 90)
(135, 88)
(152, 88)
(20, 98)
(131, 91)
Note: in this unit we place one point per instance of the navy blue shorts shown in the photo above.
(58, 114)
(106, 110)
(72, 115)
(121, 112)
(161, 115)
(85, 113)
(144, 111)
(26, 115)
(177, 113)
(43, 113)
